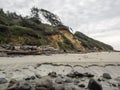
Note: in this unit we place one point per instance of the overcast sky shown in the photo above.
(99, 19)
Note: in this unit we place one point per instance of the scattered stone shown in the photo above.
(30, 78)
(71, 75)
(3, 81)
(38, 76)
(89, 75)
(114, 85)
(13, 85)
(82, 85)
(75, 75)
(52, 74)
(107, 76)
(99, 80)
(94, 85)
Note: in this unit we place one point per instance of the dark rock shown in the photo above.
(107, 76)
(71, 75)
(44, 84)
(38, 76)
(13, 85)
(114, 85)
(75, 74)
(89, 75)
(3, 81)
(52, 74)
(81, 85)
(99, 79)
(24, 86)
(30, 78)
(94, 85)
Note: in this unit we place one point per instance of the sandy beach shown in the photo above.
(97, 57)
(97, 63)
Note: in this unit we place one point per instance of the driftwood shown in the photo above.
(22, 53)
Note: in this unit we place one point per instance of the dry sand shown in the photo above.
(98, 58)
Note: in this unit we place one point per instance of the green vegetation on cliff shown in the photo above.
(92, 44)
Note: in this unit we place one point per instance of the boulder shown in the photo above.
(3, 81)
(107, 76)
(94, 85)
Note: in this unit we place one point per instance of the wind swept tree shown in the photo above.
(52, 18)
(35, 15)
(1, 11)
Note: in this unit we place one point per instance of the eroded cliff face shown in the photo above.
(61, 38)
(73, 39)
(78, 41)
(54, 39)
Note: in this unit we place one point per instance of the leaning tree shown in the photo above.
(52, 18)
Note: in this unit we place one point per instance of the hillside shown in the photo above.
(91, 44)
(30, 30)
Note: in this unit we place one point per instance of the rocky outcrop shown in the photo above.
(58, 77)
